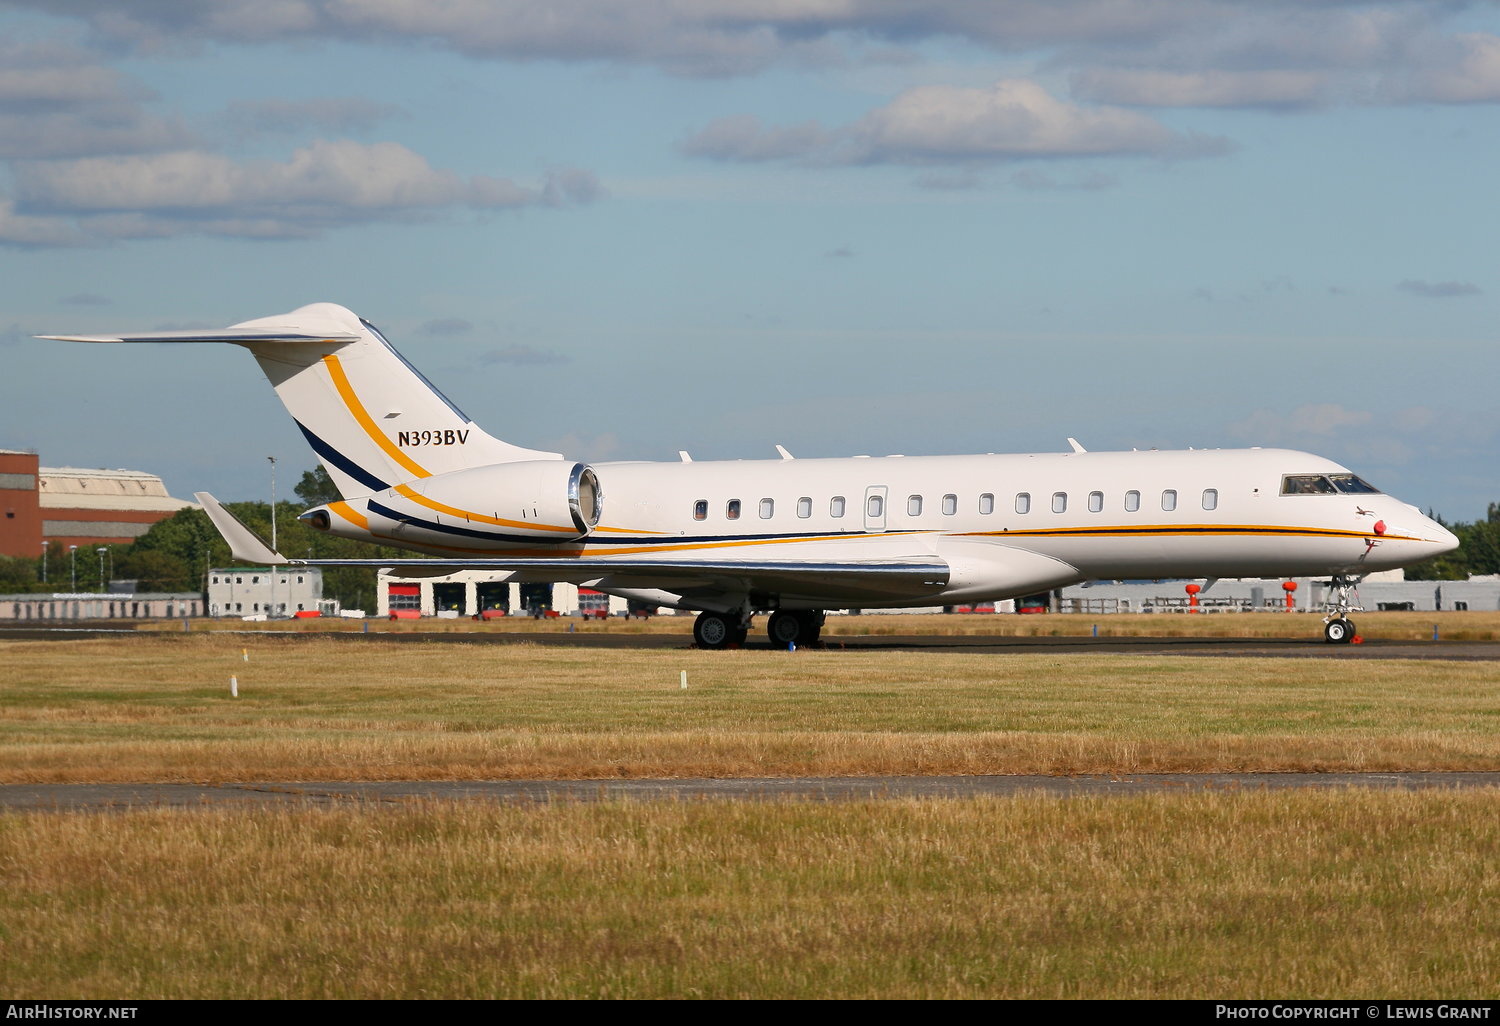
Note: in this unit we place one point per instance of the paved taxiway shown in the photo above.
(114, 797)
(1293, 648)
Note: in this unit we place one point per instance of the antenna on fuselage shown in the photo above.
(682, 454)
(784, 454)
(1076, 447)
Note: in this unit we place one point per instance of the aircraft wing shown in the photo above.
(854, 577)
(831, 578)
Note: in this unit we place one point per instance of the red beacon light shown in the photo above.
(1380, 527)
(1192, 591)
(1289, 587)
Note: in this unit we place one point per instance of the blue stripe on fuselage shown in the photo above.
(337, 459)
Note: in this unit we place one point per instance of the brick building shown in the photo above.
(66, 506)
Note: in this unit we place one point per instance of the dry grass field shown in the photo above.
(1289, 895)
(157, 707)
(1286, 895)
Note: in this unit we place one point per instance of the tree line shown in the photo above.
(176, 554)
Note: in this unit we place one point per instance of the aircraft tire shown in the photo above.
(1338, 631)
(785, 628)
(716, 630)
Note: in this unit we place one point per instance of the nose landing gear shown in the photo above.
(1338, 629)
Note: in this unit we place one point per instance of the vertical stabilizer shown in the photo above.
(371, 417)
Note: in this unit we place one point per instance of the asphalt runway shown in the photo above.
(1294, 648)
(325, 794)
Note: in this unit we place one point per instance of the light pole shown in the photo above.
(273, 532)
(73, 568)
(102, 588)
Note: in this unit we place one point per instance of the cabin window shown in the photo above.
(804, 507)
(767, 508)
(913, 505)
(986, 504)
(1059, 502)
(1210, 498)
(1169, 499)
(875, 506)
(1023, 502)
(732, 509)
(836, 506)
(700, 509)
(1132, 501)
(950, 505)
(1096, 502)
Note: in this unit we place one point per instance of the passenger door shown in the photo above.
(875, 508)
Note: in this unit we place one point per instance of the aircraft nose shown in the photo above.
(1445, 539)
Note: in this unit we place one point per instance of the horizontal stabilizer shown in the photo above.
(221, 335)
(243, 543)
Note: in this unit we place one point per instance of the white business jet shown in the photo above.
(791, 537)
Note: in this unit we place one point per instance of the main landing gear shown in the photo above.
(1338, 629)
(785, 628)
(720, 630)
(788, 627)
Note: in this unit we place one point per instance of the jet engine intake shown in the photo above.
(536, 500)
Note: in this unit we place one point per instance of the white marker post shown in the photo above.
(234, 687)
(684, 680)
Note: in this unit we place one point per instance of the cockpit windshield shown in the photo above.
(1326, 484)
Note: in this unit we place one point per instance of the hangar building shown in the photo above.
(65, 506)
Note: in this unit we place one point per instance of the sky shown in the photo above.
(623, 228)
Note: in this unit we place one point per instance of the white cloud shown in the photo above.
(522, 356)
(26, 230)
(1213, 88)
(1439, 289)
(324, 184)
(341, 115)
(1303, 426)
(1013, 119)
(1469, 72)
(58, 101)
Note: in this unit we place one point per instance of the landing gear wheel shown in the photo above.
(1339, 631)
(716, 630)
(787, 628)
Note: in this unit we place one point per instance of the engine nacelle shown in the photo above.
(537, 500)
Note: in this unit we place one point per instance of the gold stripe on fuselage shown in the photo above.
(454, 511)
(346, 392)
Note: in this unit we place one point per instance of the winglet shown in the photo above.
(243, 543)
